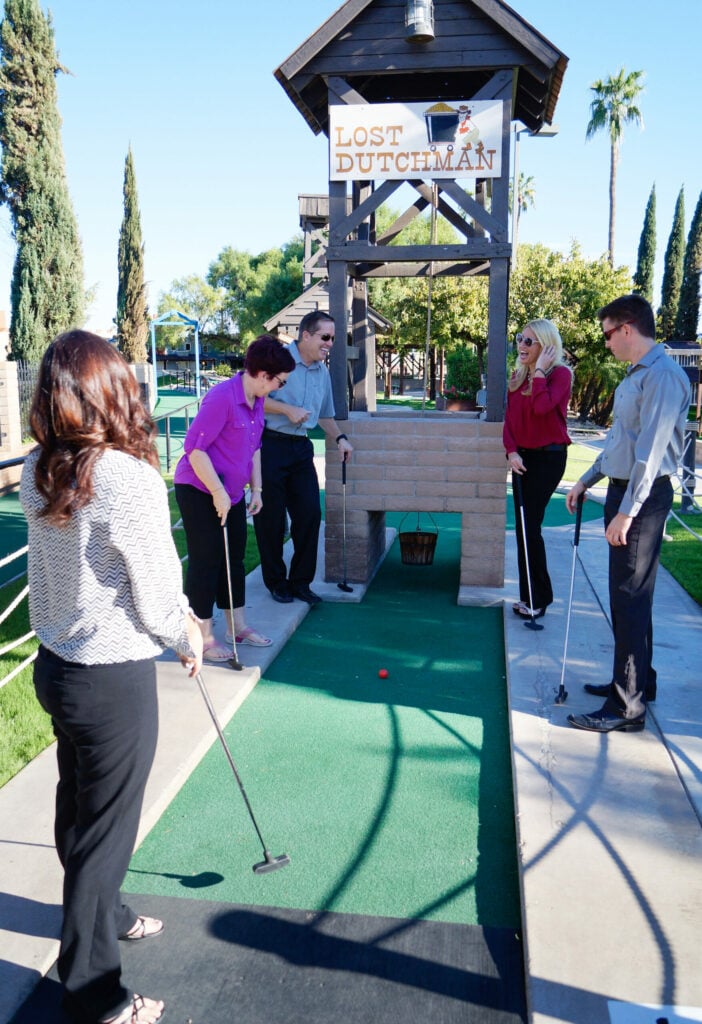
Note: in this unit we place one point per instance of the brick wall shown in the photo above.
(421, 462)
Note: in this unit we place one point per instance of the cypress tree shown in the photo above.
(132, 314)
(646, 259)
(47, 294)
(672, 272)
(689, 306)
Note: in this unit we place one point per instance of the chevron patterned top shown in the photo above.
(107, 587)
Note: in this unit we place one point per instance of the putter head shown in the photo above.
(235, 664)
(533, 624)
(271, 863)
(561, 696)
(345, 587)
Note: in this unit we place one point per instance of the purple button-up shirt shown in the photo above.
(230, 432)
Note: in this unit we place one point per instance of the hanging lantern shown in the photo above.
(419, 21)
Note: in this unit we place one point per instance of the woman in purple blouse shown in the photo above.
(222, 456)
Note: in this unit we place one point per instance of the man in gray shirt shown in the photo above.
(642, 450)
(287, 463)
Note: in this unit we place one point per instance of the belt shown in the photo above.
(278, 435)
(618, 482)
(545, 448)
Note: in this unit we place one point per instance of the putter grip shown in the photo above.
(343, 472)
(578, 518)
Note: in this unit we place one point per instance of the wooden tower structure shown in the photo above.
(366, 78)
(368, 52)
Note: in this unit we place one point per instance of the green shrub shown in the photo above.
(462, 374)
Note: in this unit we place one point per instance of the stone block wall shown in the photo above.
(421, 462)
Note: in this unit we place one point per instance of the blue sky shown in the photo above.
(221, 153)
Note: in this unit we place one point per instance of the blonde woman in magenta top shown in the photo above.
(535, 437)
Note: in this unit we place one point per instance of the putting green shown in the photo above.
(392, 797)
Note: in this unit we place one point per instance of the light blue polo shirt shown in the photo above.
(308, 387)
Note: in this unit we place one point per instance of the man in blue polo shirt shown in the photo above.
(290, 482)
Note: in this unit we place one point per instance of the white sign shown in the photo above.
(371, 141)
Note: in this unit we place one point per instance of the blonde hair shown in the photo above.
(546, 333)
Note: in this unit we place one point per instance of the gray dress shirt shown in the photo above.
(308, 387)
(647, 434)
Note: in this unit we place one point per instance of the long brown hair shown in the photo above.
(86, 401)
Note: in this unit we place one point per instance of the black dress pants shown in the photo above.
(632, 578)
(105, 718)
(206, 575)
(290, 485)
(544, 472)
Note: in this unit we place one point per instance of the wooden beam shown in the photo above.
(364, 210)
(382, 270)
(472, 249)
(475, 210)
(340, 92)
(497, 340)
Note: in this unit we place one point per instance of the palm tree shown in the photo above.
(526, 194)
(614, 105)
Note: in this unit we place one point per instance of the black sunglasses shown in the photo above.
(521, 340)
(613, 330)
(327, 337)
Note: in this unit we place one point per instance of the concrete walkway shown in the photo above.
(609, 828)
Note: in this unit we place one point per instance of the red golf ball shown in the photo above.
(383, 673)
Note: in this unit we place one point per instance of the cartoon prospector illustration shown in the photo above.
(467, 131)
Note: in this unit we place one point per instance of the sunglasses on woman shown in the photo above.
(521, 339)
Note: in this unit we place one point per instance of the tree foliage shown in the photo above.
(257, 287)
(613, 106)
(47, 294)
(672, 272)
(132, 313)
(687, 320)
(569, 290)
(646, 257)
(198, 300)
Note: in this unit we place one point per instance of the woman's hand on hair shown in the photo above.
(547, 357)
(516, 463)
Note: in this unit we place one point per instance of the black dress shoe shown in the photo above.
(304, 593)
(606, 721)
(603, 691)
(281, 594)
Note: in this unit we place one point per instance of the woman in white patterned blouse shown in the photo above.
(105, 598)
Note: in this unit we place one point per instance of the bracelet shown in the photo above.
(255, 490)
(539, 369)
(341, 437)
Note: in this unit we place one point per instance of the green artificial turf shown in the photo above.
(392, 797)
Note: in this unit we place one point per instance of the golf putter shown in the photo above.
(234, 660)
(270, 863)
(561, 694)
(344, 586)
(532, 623)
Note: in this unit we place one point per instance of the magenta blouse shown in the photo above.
(230, 432)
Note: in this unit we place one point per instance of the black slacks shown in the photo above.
(632, 579)
(544, 472)
(290, 485)
(206, 575)
(105, 718)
